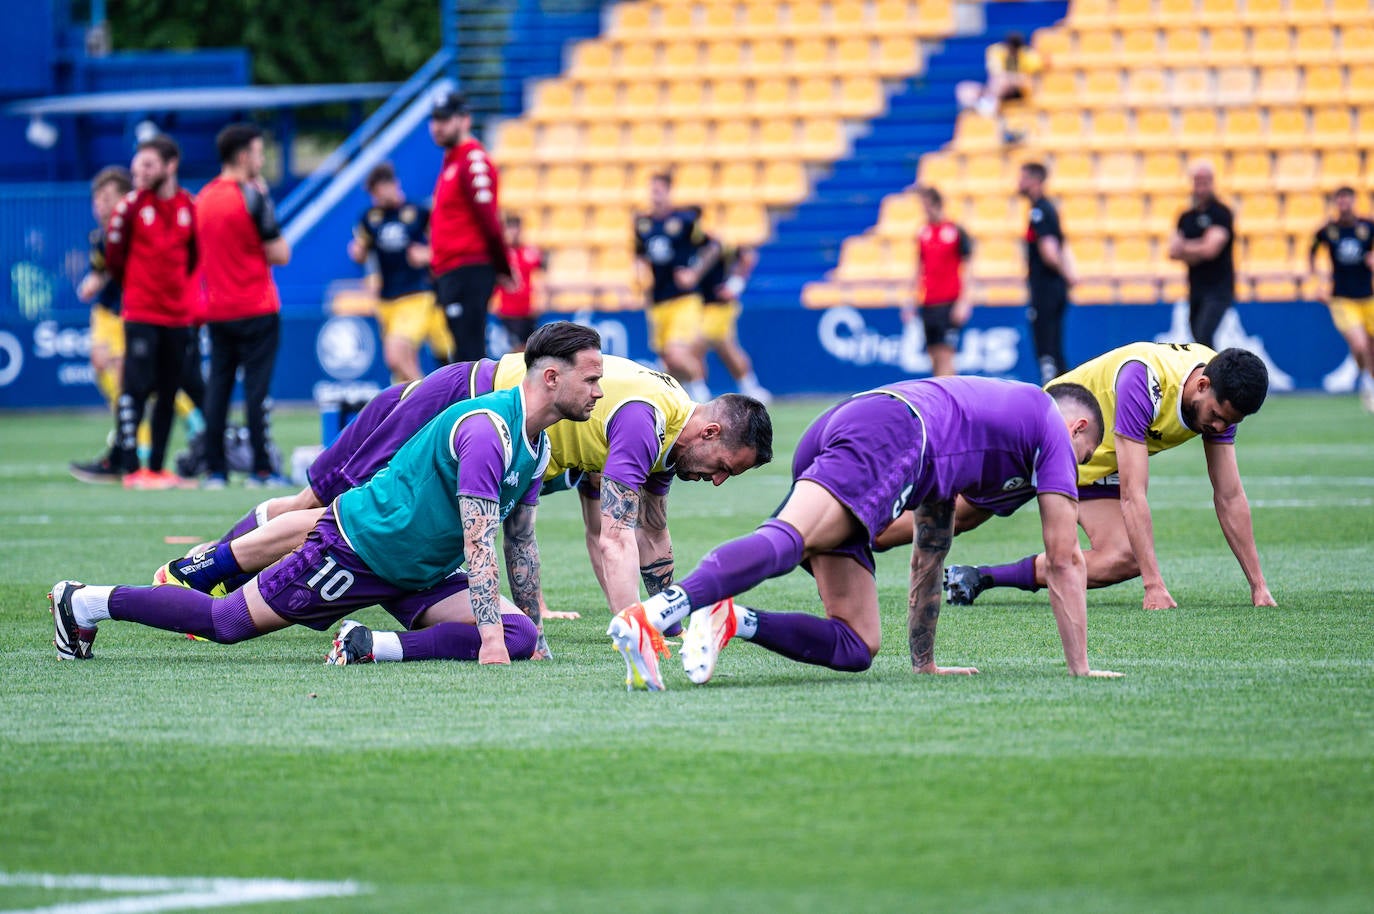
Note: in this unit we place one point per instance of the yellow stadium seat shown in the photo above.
(771, 97)
(1160, 171)
(1091, 13)
(693, 180)
(777, 139)
(1154, 129)
(638, 59)
(1266, 253)
(762, 19)
(720, 20)
(1315, 44)
(744, 223)
(729, 98)
(1339, 167)
(1139, 48)
(986, 173)
(1118, 171)
(1349, 11)
(861, 257)
(1146, 86)
(602, 141)
(1278, 85)
(784, 182)
(613, 262)
(816, 95)
(1094, 47)
(1305, 12)
(1164, 210)
(631, 19)
(592, 58)
(1364, 135)
(739, 181)
(553, 99)
(1259, 213)
(898, 55)
(1305, 212)
(685, 98)
(519, 185)
(808, 56)
(690, 140)
(1133, 254)
(1217, 12)
(822, 139)
(1183, 46)
(674, 18)
(1262, 12)
(860, 96)
(734, 139)
(1323, 84)
(823, 295)
(895, 17)
(1123, 213)
(598, 99)
(934, 18)
(724, 57)
(1295, 170)
(1057, 89)
(1271, 45)
(900, 215)
(644, 98)
(1060, 128)
(647, 141)
(567, 225)
(1102, 88)
(767, 57)
(1361, 85)
(992, 214)
(1244, 127)
(973, 131)
(1191, 86)
(561, 182)
(1357, 43)
(568, 263)
(1288, 128)
(938, 170)
(1110, 130)
(1089, 252)
(559, 141)
(609, 224)
(999, 258)
(1332, 128)
(1249, 169)
(1081, 211)
(514, 141)
(681, 58)
(847, 17)
(1056, 44)
(605, 182)
(1178, 12)
(853, 55)
(1199, 125)
(1073, 171)
(1235, 85)
(1134, 14)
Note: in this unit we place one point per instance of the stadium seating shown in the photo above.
(1278, 94)
(743, 100)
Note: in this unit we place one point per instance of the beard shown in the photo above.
(1189, 415)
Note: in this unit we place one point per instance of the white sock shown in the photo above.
(386, 646)
(1366, 381)
(748, 380)
(670, 606)
(746, 623)
(91, 605)
(698, 391)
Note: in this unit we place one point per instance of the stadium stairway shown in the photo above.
(920, 118)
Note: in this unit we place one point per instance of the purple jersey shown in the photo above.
(632, 449)
(1135, 407)
(997, 443)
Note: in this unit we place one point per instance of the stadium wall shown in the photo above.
(837, 351)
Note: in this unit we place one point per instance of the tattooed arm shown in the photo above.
(480, 520)
(1067, 579)
(934, 524)
(619, 548)
(522, 569)
(655, 545)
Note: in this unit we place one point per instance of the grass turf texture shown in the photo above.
(1230, 771)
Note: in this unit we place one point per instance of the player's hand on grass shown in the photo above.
(493, 650)
(1158, 597)
(541, 649)
(1101, 674)
(553, 614)
(1261, 596)
(934, 670)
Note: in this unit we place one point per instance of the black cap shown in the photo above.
(449, 104)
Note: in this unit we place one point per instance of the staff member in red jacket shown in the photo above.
(466, 237)
(241, 242)
(150, 248)
(942, 247)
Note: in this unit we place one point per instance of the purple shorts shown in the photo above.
(389, 421)
(325, 580)
(866, 452)
(1100, 489)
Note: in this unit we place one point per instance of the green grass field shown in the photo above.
(1231, 770)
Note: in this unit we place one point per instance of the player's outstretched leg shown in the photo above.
(963, 583)
(67, 634)
(353, 644)
(78, 609)
(356, 643)
(641, 645)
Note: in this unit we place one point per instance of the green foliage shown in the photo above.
(339, 41)
(1231, 770)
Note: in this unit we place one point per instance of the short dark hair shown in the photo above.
(381, 173)
(744, 422)
(166, 148)
(1036, 170)
(933, 196)
(665, 176)
(561, 340)
(117, 175)
(1344, 191)
(234, 139)
(1239, 377)
(1015, 40)
(1083, 398)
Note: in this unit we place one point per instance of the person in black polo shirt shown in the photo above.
(1048, 273)
(1349, 241)
(1203, 241)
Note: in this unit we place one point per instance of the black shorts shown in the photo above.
(940, 328)
(518, 328)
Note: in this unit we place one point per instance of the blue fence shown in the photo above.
(837, 351)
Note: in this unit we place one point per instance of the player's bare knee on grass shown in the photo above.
(1109, 565)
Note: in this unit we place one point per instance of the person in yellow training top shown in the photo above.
(393, 234)
(1011, 66)
(643, 432)
(672, 249)
(1154, 396)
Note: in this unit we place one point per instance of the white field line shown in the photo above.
(157, 893)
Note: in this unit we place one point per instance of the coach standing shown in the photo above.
(150, 248)
(466, 236)
(1048, 273)
(241, 242)
(1203, 241)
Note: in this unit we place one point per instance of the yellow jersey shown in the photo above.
(1167, 366)
(584, 445)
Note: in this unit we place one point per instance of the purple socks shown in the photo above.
(460, 641)
(204, 571)
(1020, 575)
(732, 568)
(246, 524)
(176, 609)
(810, 639)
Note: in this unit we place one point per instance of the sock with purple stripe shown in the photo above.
(248, 523)
(1020, 575)
(732, 568)
(811, 639)
(206, 570)
(176, 609)
(461, 641)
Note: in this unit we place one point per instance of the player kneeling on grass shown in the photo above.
(913, 444)
(399, 540)
(1154, 396)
